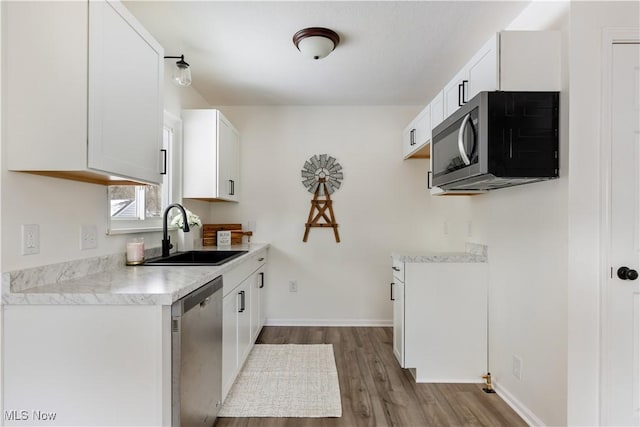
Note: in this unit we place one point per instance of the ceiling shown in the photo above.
(390, 53)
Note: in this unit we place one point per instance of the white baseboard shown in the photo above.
(449, 380)
(524, 412)
(330, 322)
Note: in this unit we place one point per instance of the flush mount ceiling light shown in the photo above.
(316, 42)
(181, 73)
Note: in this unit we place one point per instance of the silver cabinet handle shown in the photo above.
(164, 162)
(463, 153)
(242, 301)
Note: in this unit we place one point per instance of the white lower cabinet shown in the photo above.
(397, 296)
(229, 341)
(86, 365)
(236, 333)
(242, 316)
(440, 320)
(256, 295)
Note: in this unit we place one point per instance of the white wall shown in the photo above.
(526, 230)
(382, 206)
(60, 207)
(588, 19)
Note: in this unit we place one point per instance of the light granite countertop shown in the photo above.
(107, 280)
(474, 253)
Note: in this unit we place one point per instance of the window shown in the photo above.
(139, 208)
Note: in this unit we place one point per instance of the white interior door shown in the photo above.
(621, 383)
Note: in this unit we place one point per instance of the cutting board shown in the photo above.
(209, 233)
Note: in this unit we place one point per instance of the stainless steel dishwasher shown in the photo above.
(196, 345)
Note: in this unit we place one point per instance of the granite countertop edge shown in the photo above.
(475, 253)
(116, 285)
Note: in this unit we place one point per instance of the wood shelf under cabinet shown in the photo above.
(86, 176)
(423, 153)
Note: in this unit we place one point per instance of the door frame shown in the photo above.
(610, 36)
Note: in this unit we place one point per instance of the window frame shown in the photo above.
(171, 188)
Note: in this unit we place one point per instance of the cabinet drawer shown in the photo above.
(234, 277)
(398, 270)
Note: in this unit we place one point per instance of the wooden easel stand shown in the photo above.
(321, 206)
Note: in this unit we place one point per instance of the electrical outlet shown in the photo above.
(516, 367)
(445, 227)
(251, 226)
(293, 286)
(30, 239)
(469, 228)
(88, 236)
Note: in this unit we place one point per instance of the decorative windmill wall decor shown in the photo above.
(321, 174)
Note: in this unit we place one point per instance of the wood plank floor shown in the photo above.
(376, 392)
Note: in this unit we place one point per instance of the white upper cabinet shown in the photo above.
(437, 109)
(483, 70)
(211, 156)
(453, 92)
(83, 90)
(510, 60)
(416, 137)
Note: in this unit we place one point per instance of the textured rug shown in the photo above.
(286, 381)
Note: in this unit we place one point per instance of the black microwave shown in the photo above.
(496, 140)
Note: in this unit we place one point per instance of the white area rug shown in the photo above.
(286, 381)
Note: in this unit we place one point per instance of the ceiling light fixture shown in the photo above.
(316, 42)
(181, 73)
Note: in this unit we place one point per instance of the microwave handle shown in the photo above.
(463, 153)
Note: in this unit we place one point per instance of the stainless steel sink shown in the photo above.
(196, 258)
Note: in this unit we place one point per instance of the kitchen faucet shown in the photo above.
(166, 240)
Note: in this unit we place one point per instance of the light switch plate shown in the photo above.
(88, 236)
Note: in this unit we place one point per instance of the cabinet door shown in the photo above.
(229, 341)
(453, 92)
(408, 139)
(243, 293)
(398, 321)
(126, 79)
(423, 128)
(228, 160)
(530, 60)
(257, 286)
(483, 69)
(235, 163)
(417, 136)
(446, 321)
(437, 109)
(38, 40)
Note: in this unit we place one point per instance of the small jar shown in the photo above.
(135, 251)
